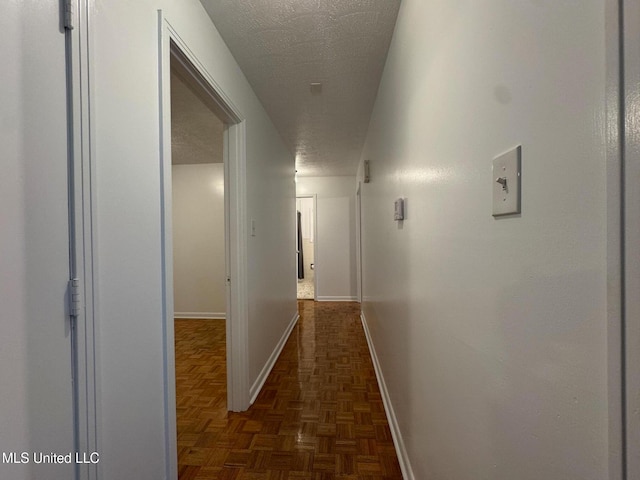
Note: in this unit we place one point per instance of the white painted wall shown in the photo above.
(198, 240)
(35, 345)
(335, 269)
(125, 104)
(304, 205)
(492, 333)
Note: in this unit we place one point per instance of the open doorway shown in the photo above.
(306, 246)
(199, 273)
(177, 60)
(197, 181)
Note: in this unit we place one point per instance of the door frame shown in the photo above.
(622, 31)
(359, 241)
(173, 48)
(629, 48)
(83, 235)
(315, 241)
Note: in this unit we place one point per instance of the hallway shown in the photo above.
(319, 415)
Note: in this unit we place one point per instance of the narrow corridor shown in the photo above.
(319, 416)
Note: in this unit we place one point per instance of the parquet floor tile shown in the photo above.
(319, 415)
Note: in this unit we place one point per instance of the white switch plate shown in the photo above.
(398, 213)
(506, 182)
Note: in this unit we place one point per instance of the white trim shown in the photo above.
(326, 298)
(359, 241)
(614, 166)
(630, 207)
(403, 457)
(171, 446)
(238, 392)
(201, 315)
(266, 370)
(172, 48)
(83, 235)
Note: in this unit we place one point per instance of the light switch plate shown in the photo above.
(506, 182)
(398, 213)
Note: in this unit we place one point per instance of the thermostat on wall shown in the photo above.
(399, 209)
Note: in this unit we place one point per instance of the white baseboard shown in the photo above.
(337, 299)
(266, 370)
(403, 457)
(201, 315)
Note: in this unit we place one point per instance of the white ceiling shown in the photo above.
(285, 45)
(196, 132)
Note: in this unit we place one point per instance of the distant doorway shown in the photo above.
(306, 247)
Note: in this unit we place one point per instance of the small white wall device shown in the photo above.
(399, 209)
(506, 182)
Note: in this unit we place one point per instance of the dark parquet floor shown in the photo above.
(319, 416)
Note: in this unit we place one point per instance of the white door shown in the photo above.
(36, 401)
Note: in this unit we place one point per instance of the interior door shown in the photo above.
(36, 392)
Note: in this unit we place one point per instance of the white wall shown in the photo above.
(36, 402)
(125, 104)
(198, 240)
(304, 205)
(335, 269)
(491, 333)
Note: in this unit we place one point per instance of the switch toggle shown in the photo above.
(506, 188)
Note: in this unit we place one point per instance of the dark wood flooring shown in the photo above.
(319, 416)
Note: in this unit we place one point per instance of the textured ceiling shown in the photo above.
(285, 45)
(196, 132)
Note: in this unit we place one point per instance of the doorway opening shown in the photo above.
(199, 258)
(306, 247)
(225, 179)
